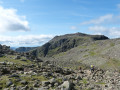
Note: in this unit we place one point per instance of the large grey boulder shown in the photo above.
(66, 86)
(24, 82)
(17, 57)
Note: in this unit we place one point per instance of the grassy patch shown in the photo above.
(29, 78)
(16, 61)
(112, 63)
(60, 54)
(101, 83)
(41, 78)
(112, 44)
(3, 81)
(92, 53)
(59, 80)
(85, 55)
(94, 45)
(53, 51)
(84, 81)
(82, 47)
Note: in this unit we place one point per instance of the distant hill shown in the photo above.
(24, 49)
(64, 43)
(12, 48)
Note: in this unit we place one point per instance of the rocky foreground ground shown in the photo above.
(45, 76)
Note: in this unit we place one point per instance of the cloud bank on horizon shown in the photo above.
(25, 40)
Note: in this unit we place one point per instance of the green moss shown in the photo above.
(85, 55)
(112, 63)
(53, 51)
(82, 47)
(3, 81)
(88, 89)
(112, 44)
(41, 78)
(101, 83)
(92, 53)
(84, 81)
(4, 56)
(59, 80)
(9, 58)
(60, 54)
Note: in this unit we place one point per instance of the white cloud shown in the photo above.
(10, 21)
(25, 40)
(97, 28)
(99, 20)
(107, 25)
(73, 28)
(113, 32)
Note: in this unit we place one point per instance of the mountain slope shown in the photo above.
(104, 54)
(64, 43)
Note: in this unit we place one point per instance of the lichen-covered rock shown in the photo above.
(8, 83)
(45, 83)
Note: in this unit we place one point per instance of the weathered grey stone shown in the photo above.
(23, 82)
(8, 83)
(15, 75)
(78, 78)
(45, 83)
(66, 85)
(43, 88)
(36, 84)
(12, 88)
(52, 81)
(17, 57)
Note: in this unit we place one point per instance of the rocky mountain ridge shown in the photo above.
(72, 50)
(64, 43)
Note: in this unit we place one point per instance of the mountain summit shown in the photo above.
(64, 43)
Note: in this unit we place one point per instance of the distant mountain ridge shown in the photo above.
(24, 49)
(64, 43)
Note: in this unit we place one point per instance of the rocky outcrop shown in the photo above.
(5, 50)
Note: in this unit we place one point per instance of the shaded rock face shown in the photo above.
(5, 50)
(66, 42)
(100, 37)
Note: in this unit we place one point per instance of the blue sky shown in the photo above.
(34, 22)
